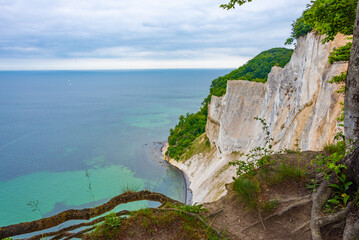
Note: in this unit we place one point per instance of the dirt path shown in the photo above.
(288, 220)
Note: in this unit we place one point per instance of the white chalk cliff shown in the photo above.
(297, 102)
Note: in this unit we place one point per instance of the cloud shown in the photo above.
(142, 29)
(21, 49)
(158, 54)
(110, 63)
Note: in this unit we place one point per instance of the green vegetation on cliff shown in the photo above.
(256, 69)
(326, 17)
(340, 54)
(186, 131)
(193, 125)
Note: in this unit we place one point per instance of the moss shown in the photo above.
(200, 145)
(222, 170)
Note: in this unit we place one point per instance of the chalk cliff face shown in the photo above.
(298, 104)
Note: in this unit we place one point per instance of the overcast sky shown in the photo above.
(119, 34)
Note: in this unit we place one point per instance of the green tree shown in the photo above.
(331, 17)
(328, 17)
(233, 3)
(256, 69)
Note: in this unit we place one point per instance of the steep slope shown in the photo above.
(297, 102)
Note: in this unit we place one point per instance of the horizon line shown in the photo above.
(114, 69)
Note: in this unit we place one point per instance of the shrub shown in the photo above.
(299, 28)
(287, 171)
(340, 54)
(339, 147)
(248, 190)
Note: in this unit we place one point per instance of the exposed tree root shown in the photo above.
(84, 214)
(216, 213)
(351, 230)
(285, 200)
(341, 215)
(304, 225)
(260, 217)
(298, 203)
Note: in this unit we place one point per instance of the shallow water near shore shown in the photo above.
(74, 139)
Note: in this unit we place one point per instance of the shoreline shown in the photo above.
(189, 194)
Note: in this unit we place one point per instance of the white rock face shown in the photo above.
(297, 102)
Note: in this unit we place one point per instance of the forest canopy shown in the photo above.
(256, 69)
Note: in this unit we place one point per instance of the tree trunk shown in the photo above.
(351, 102)
(352, 162)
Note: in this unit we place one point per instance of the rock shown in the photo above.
(297, 102)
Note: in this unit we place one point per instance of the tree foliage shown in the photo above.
(340, 54)
(331, 17)
(328, 17)
(256, 69)
(299, 28)
(188, 128)
(233, 3)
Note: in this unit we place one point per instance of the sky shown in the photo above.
(139, 34)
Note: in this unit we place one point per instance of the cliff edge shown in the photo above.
(299, 105)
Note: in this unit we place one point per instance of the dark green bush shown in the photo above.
(339, 79)
(340, 54)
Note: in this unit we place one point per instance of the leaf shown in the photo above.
(346, 186)
(333, 200)
(345, 199)
(335, 186)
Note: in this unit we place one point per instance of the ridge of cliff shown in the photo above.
(297, 102)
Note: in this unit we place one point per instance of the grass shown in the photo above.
(251, 188)
(148, 223)
(200, 145)
(289, 172)
(248, 190)
(338, 147)
(130, 188)
(285, 171)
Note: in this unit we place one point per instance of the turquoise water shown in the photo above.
(74, 139)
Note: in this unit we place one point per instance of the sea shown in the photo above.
(75, 139)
